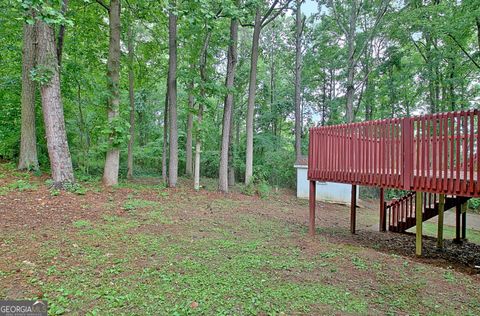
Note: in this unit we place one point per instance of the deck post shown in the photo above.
(441, 210)
(458, 213)
(353, 209)
(419, 222)
(312, 199)
(464, 220)
(383, 218)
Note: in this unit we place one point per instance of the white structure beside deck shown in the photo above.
(326, 191)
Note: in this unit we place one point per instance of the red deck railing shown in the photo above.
(436, 153)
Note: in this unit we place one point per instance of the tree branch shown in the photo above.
(219, 12)
(246, 24)
(61, 33)
(463, 50)
(100, 2)
(380, 15)
(280, 10)
(267, 14)
(420, 51)
(303, 24)
(337, 18)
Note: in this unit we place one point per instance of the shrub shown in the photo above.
(263, 189)
(75, 188)
(249, 189)
(474, 204)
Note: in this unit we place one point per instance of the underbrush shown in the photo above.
(257, 187)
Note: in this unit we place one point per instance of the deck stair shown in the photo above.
(401, 212)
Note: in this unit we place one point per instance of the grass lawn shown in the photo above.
(145, 250)
(430, 229)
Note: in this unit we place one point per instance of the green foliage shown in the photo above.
(264, 189)
(474, 204)
(22, 185)
(449, 276)
(37, 173)
(391, 194)
(250, 189)
(46, 10)
(82, 224)
(117, 131)
(257, 186)
(431, 229)
(76, 188)
(202, 266)
(415, 62)
(136, 204)
(42, 74)
(18, 185)
(359, 263)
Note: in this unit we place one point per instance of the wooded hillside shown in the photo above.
(221, 89)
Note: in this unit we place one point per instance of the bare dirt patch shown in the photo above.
(96, 244)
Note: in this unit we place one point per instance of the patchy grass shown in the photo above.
(18, 185)
(430, 229)
(146, 250)
(136, 204)
(222, 275)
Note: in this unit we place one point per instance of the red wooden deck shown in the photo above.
(436, 153)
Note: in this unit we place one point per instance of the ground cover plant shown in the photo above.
(141, 249)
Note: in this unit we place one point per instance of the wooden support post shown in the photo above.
(458, 212)
(383, 218)
(441, 210)
(464, 220)
(418, 216)
(312, 199)
(353, 209)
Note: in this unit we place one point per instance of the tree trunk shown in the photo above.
(61, 33)
(165, 135)
(231, 167)
(350, 94)
(451, 85)
(273, 119)
(430, 72)
(298, 80)
(228, 108)
(198, 148)
(198, 139)
(368, 101)
(172, 96)
(232, 154)
(332, 92)
(131, 95)
(324, 101)
(112, 162)
(28, 141)
(478, 33)
(391, 91)
(57, 144)
(189, 142)
(251, 96)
